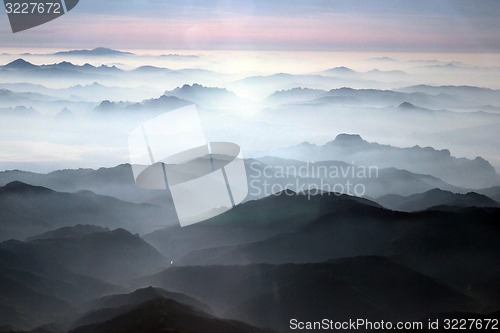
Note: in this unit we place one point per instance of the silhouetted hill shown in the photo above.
(383, 98)
(35, 290)
(107, 255)
(105, 308)
(443, 244)
(333, 176)
(207, 97)
(150, 69)
(467, 95)
(141, 110)
(360, 97)
(60, 70)
(374, 74)
(142, 295)
(340, 70)
(19, 64)
(17, 187)
(492, 192)
(263, 86)
(409, 106)
(27, 210)
(119, 182)
(434, 198)
(9, 97)
(26, 307)
(99, 51)
(269, 295)
(77, 231)
(463, 172)
(65, 114)
(254, 221)
(19, 111)
(295, 95)
(161, 315)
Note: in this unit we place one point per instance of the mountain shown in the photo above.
(77, 231)
(467, 95)
(86, 68)
(360, 97)
(435, 197)
(207, 97)
(89, 92)
(144, 109)
(374, 288)
(406, 105)
(140, 296)
(36, 288)
(20, 263)
(116, 181)
(26, 210)
(20, 71)
(340, 71)
(105, 308)
(267, 173)
(100, 51)
(374, 74)
(163, 103)
(107, 255)
(25, 306)
(462, 172)
(492, 192)
(375, 97)
(291, 228)
(19, 64)
(10, 97)
(163, 315)
(392, 73)
(150, 69)
(119, 181)
(339, 231)
(19, 111)
(385, 264)
(252, 221)
(263, 86)
(96, 92)
(34, 292)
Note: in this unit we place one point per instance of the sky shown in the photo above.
(312, 25)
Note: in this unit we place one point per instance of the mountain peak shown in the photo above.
(98, 51)
(406, 105)
(65, 64)
(20, 187)
(19, 64)
(341, 69)
(350, 139)
(65, 113)
(76, 231)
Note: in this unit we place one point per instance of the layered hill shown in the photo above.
(476, 173)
